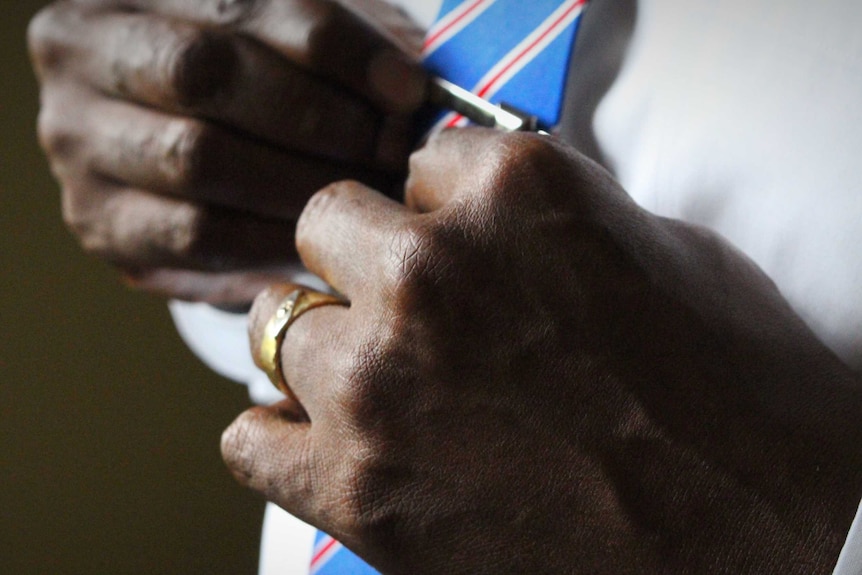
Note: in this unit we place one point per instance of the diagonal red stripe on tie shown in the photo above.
(526, 51)
(430, 40)
(323, 551)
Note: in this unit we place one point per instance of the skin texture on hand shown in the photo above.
(536, 374)
(187, 135)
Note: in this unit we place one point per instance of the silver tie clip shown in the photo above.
(445, 94)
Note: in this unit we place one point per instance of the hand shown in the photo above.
(535, 374)
(188, 135)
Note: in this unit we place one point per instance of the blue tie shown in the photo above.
(512, 51)
(518, 52)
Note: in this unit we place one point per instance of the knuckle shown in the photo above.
(551, 172)
(419, 258)
(186, 232)
(54, 138)
(198, 65)
(368, 391)
(185, 150)
(375, 513)
(174, 235)
(43, 36)
(85, 224)
(520, 157)
(371, 482)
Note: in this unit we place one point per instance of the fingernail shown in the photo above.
(401, 83)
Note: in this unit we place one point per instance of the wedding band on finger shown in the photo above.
(291, 307)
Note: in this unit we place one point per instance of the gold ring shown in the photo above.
(294, 305)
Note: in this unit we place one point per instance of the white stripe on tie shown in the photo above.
(455, 21)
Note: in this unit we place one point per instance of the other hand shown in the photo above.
(188, 135)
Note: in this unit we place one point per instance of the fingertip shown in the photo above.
(262, 448)
(237, 446)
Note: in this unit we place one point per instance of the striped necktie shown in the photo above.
(518, 52)
(506, 51)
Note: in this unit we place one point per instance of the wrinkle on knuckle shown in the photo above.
(419, 258)
(198, 66)
(359, 389)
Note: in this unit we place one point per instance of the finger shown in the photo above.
(310, 351)
(186, 69)
(327, 38)
(234, 290)
(345, 235)
(269, 449)
(199, 161)
(451, 163)
(135, 229)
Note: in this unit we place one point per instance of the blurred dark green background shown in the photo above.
(109, 426)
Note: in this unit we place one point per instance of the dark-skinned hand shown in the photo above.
(536, 375)
(188, 134)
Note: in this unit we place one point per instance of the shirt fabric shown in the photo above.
(742, 116)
